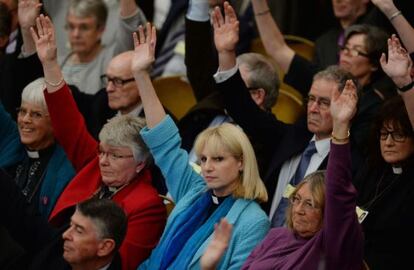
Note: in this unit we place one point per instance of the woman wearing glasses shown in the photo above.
(385, 184)
(114, 168)
(322, 229)
(29, 153)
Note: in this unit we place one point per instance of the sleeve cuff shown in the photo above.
(222, 76)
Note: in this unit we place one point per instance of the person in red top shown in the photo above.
(115, 168)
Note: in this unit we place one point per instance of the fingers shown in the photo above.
(230, 14)
(383, 61)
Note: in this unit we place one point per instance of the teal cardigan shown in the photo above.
(59, 170)
(250, 223)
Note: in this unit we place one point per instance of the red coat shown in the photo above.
(145, 210)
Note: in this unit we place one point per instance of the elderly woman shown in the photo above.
(28, 151)
(115, 168)
(385, 184)
(322, 228)
(229, 185)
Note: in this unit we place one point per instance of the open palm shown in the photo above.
(399, 63)
(344, 105)
(28, 11)
(44, 38)
(144, 48)
(226, 29)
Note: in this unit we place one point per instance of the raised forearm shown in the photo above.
(271, 36)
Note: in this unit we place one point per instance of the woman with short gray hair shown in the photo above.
(29, 153)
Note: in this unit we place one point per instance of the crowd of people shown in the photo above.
(90, 148)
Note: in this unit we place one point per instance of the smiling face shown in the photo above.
(306, 217)
(319, 117)
(360, 65)
(84, 33)
(126, 97)
(395, 146)
(117, 164)
(221, 170)
(35, 128)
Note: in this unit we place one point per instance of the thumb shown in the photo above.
(383, 60)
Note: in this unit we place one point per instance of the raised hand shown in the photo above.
(344, 105)
(44, 38)
(217, 246)
(226, 29)
(28, 11)
(144, 48)
(399, 64)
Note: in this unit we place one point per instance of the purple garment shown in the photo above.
(338, 245)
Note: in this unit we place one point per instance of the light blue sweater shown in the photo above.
(250, 223)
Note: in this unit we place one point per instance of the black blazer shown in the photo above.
(281, 141)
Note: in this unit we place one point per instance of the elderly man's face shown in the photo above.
(117, 164)
(318, 110)
(81, 240)
(34, 126)
(121, 97)
(84, 34)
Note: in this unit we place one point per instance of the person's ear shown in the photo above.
(139, 166)
(105, 247)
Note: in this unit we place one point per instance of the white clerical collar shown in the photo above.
(33, 154)
(397, 170)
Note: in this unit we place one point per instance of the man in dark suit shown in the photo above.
(91, 241)
(293, 150)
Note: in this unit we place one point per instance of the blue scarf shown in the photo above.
(189, 231)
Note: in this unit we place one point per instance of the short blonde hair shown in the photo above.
(124, 131)
(234, 140)
(33, 93)
(316, 181)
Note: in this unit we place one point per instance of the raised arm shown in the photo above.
(342, 232)
(399, 67)
(28, 11)
(271, 36)
(400, 23)
(142, 60)
(68, 123)
(226, 36)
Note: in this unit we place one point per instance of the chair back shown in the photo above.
(289, 106)
(302, 46)
(175, 94)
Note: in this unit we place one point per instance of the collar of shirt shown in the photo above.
(322, 146)
(134, 112)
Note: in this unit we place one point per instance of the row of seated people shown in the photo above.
(85, 143)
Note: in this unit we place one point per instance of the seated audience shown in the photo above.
(385, 183)
(294, 150)
(229, 185)
(91, 241)
(258, 74)
(88, 59)
(322, 228)
(30, 154)
(363, 45)
(115, 168)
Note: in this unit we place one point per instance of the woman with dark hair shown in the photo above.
(385, 184)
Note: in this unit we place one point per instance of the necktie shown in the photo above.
(278, 218)
(105, 193)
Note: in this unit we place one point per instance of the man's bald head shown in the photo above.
(123, 94)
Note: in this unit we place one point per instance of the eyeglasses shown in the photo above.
(396, 136)
(118, 82)
(323, 103)
(307, 204)
(35, 115)
(81, 27)
(111, 155)
(353, 52)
